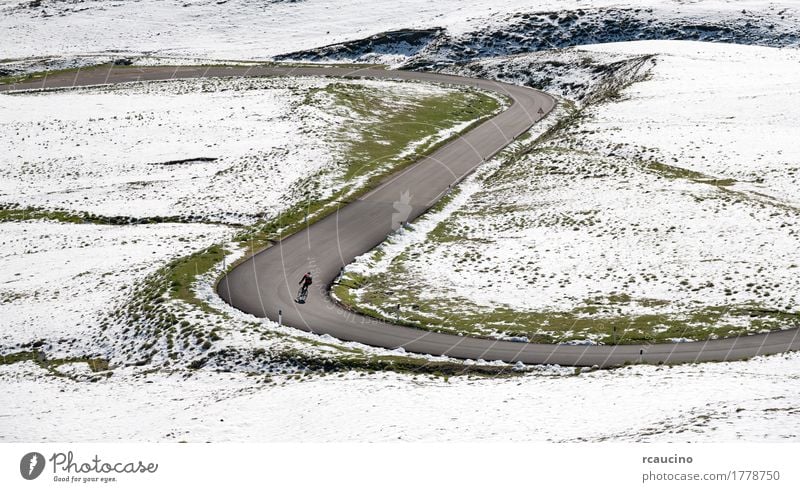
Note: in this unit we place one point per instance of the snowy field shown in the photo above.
(719, 110)
(59, 280)
(51, 34)
(236, 29)
(752, 401)
(669, 213)
(225, 150)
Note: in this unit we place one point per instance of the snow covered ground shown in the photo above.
(111, 151)
(672, 211)
(228, 150)
(58, 280)
(570, 73)
(751, 401)
(721, 110)
(58, 33)
(236, 29)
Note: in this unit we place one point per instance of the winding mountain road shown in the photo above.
(266, 284)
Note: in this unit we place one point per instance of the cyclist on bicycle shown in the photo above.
(305, 282)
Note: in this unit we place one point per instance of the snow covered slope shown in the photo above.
(531, 29)
(719, 110)
(754, 401)
(229, 150)
(415, 33)
(669, 213)
(60, 280)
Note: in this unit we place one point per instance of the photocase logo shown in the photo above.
(31, 465)
(402, 210)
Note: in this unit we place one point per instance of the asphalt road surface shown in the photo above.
(267, 283)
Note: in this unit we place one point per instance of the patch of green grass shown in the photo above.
(675, 172)
(722, 184)
(31, 213)
(401, 125)
(19, 357)
(15, 213)
(96, 365)
(595, 320)
(183, 272)
(395, 363)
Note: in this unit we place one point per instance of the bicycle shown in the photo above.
(302, 294)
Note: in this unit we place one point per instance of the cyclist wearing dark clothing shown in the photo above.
(304, 283)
